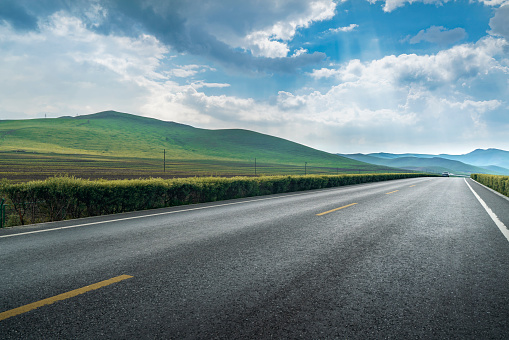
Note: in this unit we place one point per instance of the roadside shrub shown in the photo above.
(497, 183)
(61, 198)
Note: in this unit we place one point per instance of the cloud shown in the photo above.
(494, 2)
(391, 5)
(17, 16)
(271, 41)
(187, 71)
(200, 84)
(448, 67)
(500, 22)
(349, 28)
(439, 35)
(299, 52)
(413, 97)
(251, 36)
(95, 72)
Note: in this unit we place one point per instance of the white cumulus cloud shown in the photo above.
(269, 39)
(391, 5)
(348, 28)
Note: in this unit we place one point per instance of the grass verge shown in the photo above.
(495, 182)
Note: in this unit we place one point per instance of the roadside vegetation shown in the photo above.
(61, 198)
(497, 183)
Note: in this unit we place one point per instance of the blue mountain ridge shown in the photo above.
(489, 161)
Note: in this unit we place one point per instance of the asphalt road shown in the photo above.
(405, 259)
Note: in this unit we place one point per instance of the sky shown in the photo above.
(343, 76)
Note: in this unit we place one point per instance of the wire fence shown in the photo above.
(27, 169)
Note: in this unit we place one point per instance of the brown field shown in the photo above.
(25, 166)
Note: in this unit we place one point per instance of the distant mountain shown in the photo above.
(481, 157)
(493, 169)
(366, 158)
(491, 161)
(394, 155)
(433, 164)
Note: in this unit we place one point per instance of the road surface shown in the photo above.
(403, 259)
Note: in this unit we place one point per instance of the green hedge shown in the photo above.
(497, 183)
(61, 198)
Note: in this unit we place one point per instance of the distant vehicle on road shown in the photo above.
(445, 174)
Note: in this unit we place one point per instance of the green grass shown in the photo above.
(497, 183)
(112, 142)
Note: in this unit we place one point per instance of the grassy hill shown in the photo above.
(127, 143)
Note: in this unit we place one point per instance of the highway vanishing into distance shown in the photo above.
(405, 259)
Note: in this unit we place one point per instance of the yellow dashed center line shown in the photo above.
(412, 186)
(343, 207)
(392, 192)
(51, 300)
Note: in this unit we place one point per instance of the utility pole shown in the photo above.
(164, 160)
(305, 168)
(255, 166)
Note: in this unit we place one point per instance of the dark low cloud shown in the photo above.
(165, 21)
(172, 22)
(17, 16)
(500, 22)
(204, 44)
(439, 35)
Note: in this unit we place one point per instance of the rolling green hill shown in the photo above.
(111, 138)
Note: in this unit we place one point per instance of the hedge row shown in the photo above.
(497, 183)
(61, 198)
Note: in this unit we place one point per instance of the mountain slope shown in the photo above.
(118, 134)
(433, 164)
(393, 155)
(481, 157)
(496, 170)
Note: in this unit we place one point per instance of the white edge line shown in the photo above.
(149, 215)
(490, 189)
(494, 217)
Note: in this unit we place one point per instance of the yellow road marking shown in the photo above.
(392, 192)
(346, 206)
(72, 293)
(413, 185)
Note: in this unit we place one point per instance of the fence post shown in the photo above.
(2, 213)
